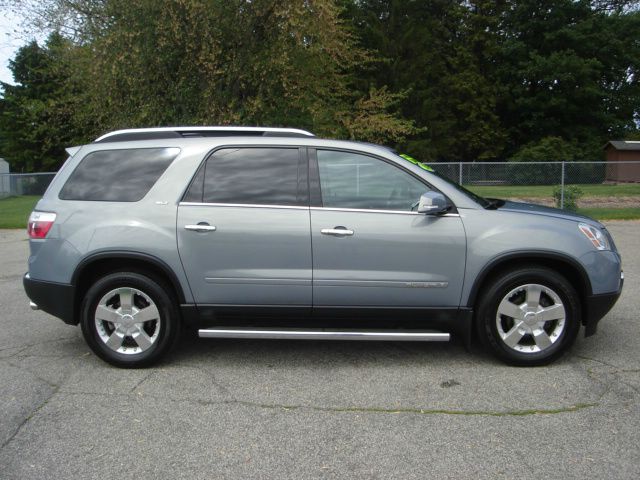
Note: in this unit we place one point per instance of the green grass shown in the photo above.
(15, 211)
(598, 190)
(626, 213)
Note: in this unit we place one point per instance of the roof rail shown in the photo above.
(186, 132)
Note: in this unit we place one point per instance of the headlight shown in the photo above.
(595, 235)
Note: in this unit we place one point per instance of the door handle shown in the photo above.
(201, 227)
(337, 232)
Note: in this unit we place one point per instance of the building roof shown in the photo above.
(624, 144)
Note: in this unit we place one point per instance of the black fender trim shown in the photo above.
(126, 254)
(190, 315)
(597, 307)
(528, 255)
(53, 298)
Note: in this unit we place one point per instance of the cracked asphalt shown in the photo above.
(218, 409)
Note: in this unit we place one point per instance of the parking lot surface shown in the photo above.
(218, 409)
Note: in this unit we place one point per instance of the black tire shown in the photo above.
(162, 332)
(531, 349)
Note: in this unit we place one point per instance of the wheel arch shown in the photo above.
(101, 263)
(564, 264)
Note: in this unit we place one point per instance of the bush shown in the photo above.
(525, 169)
(571, 195)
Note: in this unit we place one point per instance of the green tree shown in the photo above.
(549, 149)
(262, 62)
(445, 80)
(487, 78)
(569, 69)
(39, 115)
(554, 149)
(438, 53)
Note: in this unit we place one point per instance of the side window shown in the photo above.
(117, 175)
(350, 180)
(260, 176)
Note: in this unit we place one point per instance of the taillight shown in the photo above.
(40, 223)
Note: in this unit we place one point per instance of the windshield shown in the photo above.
(481, 200)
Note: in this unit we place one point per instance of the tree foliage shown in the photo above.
(188, 61)
(569, 70)
(439, 52)
(446, 80)
(41, 114)
(549, 147)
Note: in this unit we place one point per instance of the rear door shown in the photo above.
(243, 229)
(369, 247)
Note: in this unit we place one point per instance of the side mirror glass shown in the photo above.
(432, 203)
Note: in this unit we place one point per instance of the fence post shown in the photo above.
(460, 176)
(562, 187)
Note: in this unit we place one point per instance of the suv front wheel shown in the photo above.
(529, 316)
(129, 319)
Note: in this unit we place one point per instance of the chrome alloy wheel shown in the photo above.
(127, 320)
(530, 318)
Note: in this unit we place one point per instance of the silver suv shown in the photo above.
(274, 233)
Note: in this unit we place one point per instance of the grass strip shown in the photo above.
(15, 211)
(515, 191)
(627, 213)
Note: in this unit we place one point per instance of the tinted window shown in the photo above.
(349, 180)
(263, 176)
(117, 175)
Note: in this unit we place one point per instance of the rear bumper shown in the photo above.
(54, 298)
(598, 306)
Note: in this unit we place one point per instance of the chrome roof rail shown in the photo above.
(186, 132)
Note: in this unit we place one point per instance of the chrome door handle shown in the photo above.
(200, 228)
(337, 232)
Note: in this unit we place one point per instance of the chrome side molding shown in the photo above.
(325, 334)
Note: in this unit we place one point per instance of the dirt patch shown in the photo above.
(537, 200)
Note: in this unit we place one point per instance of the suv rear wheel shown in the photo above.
(129, 319)
(529, 316)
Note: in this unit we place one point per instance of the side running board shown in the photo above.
(325, 334)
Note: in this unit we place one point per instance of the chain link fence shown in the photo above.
(595, 182)
(493, 179)
(18, 184)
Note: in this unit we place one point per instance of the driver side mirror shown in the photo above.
(432, 203)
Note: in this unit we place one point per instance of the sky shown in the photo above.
(10, 41)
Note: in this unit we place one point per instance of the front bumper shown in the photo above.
(597, 306)
(56, 299)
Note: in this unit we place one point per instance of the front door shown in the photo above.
(370, 248)
(243, 229)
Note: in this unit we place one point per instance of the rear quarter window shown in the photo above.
(124, 175)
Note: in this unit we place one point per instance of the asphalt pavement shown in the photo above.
(231, 409)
